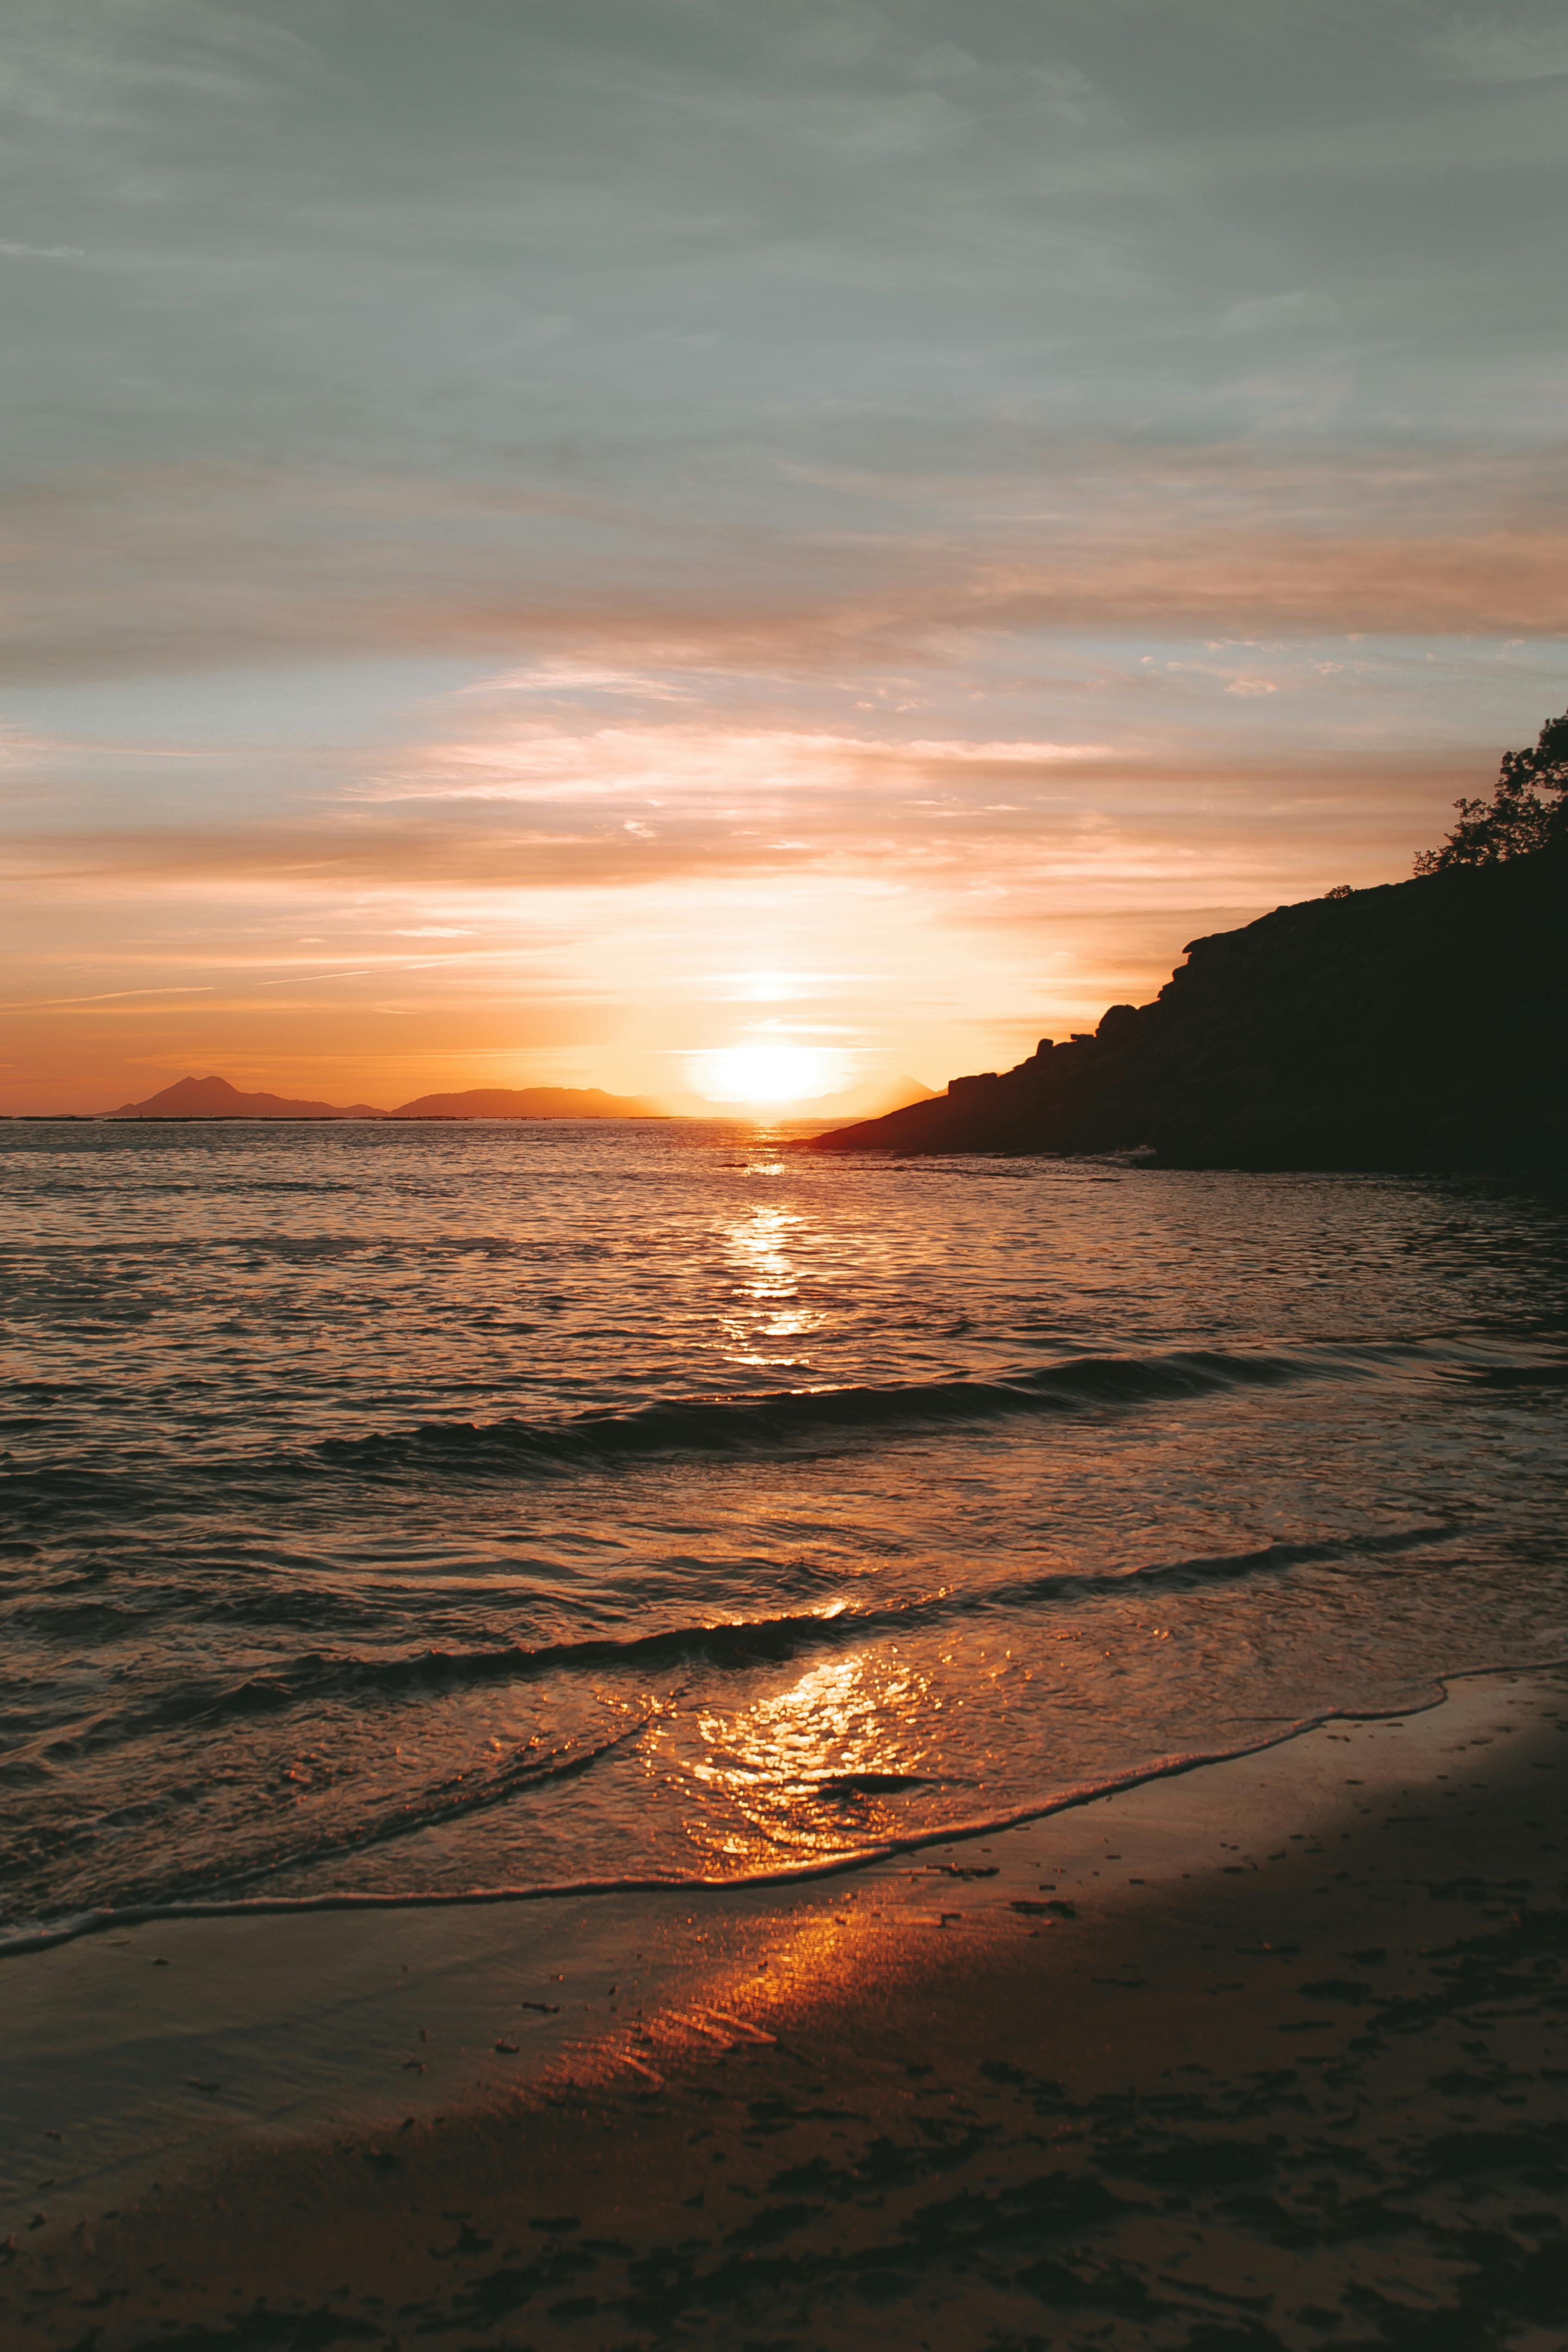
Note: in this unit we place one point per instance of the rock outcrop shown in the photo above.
(1421, 1025)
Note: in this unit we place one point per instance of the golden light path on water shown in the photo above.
(767, 1289)
(810, 1769)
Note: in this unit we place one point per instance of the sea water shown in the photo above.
(412, 1509)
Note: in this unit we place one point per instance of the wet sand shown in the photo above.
(1271, 2054)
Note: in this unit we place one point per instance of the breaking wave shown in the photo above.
(733, 1644)
(790, 1419)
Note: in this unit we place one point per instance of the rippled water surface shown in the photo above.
(423, 1507)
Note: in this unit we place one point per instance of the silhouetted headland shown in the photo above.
(1419, 1025)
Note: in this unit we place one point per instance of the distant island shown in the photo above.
(217, 1098)
(529, 1102)
(1420, 1026)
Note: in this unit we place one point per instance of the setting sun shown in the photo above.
(766, 1074)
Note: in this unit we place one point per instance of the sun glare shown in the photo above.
(765, 1074)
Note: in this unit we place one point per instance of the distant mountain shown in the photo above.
(1421, 1025)
(528, 1102)
(215, 1098)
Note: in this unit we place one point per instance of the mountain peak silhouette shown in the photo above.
(215, 1098)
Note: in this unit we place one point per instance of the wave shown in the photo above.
(790, 1418)
(789, 1421)
(732, 1644)
(17, 1941)
(64, 1484)
(464, 1794)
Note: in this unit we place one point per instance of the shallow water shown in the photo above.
(398, 1509)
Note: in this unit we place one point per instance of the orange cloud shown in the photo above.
(159, 568)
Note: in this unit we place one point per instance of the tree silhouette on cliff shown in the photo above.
(1528, 809)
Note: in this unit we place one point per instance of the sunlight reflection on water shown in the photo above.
(1304, 1449)
(767, 1274)
(785, 1768)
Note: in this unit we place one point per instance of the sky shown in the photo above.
(548, 540)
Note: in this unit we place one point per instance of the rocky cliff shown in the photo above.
(1422, 1025)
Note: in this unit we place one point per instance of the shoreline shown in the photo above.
(26, 1941)
(862, 2051)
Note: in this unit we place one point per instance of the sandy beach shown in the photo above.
(1268, 2053)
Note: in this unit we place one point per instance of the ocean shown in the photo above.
(407, 1509)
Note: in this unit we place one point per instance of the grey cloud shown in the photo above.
(726, 214)
(94, 65)
(1522, 45)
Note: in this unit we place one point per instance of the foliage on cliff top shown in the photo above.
(1528, 809)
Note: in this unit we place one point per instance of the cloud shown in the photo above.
(168, 568)
(99, 64)
(992, 754)
(772, 811)
(1268, 313)
(727, 770)
(1520, 131)
(1495, 51)
(1492, 583)
(740, 480)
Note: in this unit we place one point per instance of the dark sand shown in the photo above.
(1272, 2053)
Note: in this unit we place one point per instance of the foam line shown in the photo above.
(450, 1800)
(1088, 1792)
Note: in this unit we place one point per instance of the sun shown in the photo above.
(765, 1074)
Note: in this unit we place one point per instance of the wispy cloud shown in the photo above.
(15, 251)
(1494, 50)
(180, 569)
(98, 66)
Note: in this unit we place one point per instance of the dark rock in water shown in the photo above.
(871, 1784)
(1421, 1025)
